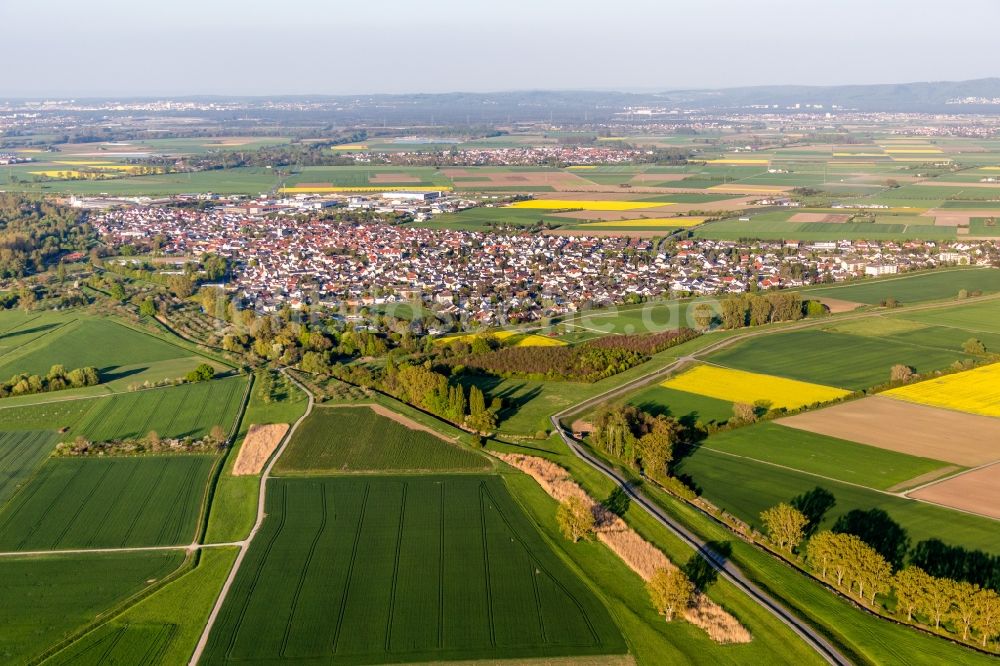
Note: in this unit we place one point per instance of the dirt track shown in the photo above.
(963, 439)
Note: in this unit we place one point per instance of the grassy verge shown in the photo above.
(234, 501)
(650, 639)
(170, 620)
(860, 635)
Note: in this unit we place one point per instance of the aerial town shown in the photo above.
(491, 279)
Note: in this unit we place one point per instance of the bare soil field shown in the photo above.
(382, 178)
(258, 445)
(833, 218)
(941, 434)
(977, 491)
(950, 220)
(838, 305)
(658, 177)
(557, 180)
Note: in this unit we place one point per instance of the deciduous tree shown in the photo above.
(785, 525)
(670, 591)
(576, 520)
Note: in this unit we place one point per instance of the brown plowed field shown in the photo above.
(820, 217)
(941, 434)
(977, 491)
(258, 445)
(838, 305)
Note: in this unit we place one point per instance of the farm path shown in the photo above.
(722, 565)
(129, 549)
(245, 544)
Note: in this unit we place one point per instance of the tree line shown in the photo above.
(57, 379)
(854, 566)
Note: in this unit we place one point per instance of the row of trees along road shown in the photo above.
(845, 561)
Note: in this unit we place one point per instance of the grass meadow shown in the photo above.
(852, 362)
(920, 287)
(47, 598)
(187, 410)
(405, 568)
(234, 502)
(355, 439)
(108, 503)
(97, 342)
(21, 453)
(745, 487)
(821, 455)
(162, 628)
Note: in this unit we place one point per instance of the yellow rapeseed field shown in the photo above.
(578, 167)
(973, 391)
(740, 386)
(516, 338)
(351, 146)
(393, 188)
(558, 204)
(58, 173)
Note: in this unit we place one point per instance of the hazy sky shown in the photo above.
(161, 47)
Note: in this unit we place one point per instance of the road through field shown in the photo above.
(726, 568)
(245, 544)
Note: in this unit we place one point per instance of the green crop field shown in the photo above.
(690, 408)
(386, 570)
(187, 410)
(975, 318)
(745, 488)
(97, 342)
(109, 502)
(164, 627)
(243, 180)
(21, 453)
(47, 598)
(847, 361)
(53, 415)
(821, 455)
(353, 439)
(924, 286)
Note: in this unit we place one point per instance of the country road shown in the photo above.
(245, 544)
(723, 566)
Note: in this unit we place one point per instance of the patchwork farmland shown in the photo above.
(411, 568)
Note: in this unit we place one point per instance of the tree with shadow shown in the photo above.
(814, 505)
(700, 571)
(879, 531)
